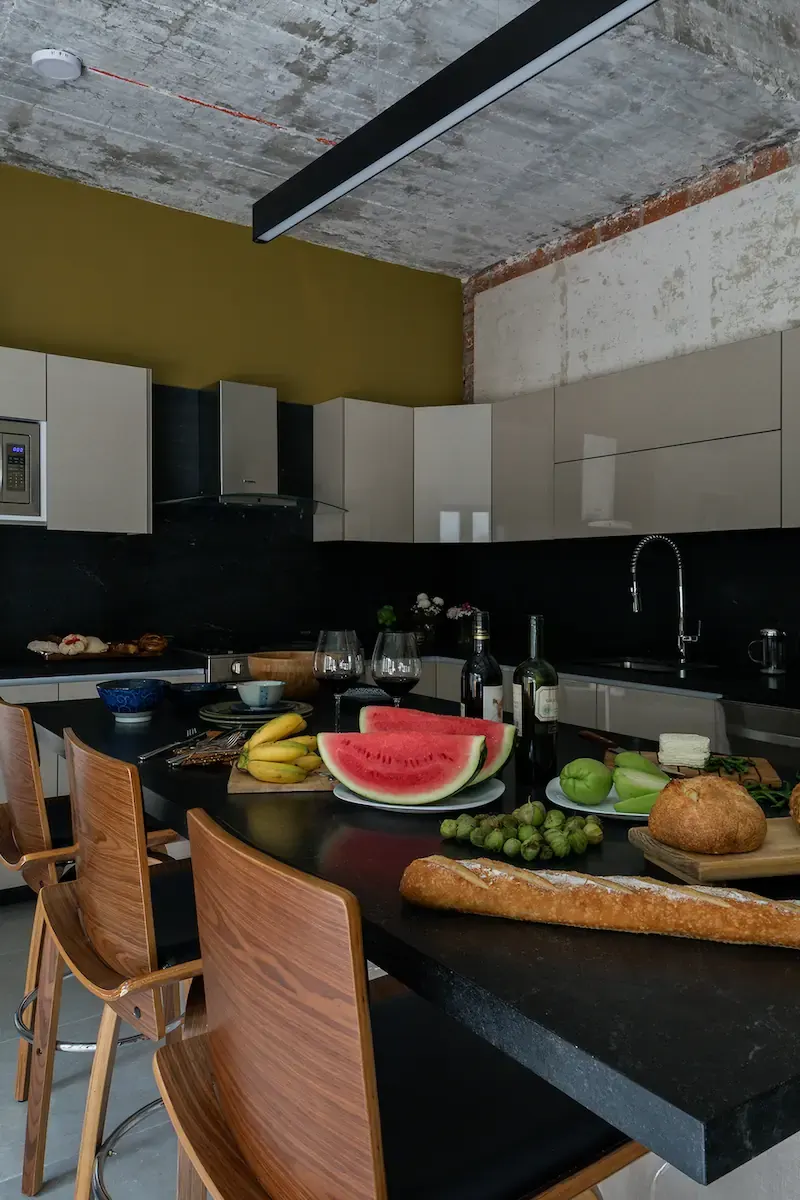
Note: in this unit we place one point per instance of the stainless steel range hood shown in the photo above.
(234, 443)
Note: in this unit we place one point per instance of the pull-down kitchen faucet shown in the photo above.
(683, 638)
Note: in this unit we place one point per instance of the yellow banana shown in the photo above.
(308, 740)
(275, 772)
(274, 730)
(276, 752)
(309, 762)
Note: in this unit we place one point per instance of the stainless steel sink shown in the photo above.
(650, 664)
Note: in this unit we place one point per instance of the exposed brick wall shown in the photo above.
(654, 208)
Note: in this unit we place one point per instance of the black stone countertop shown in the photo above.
(740, 685)
(33, 669)
(744, 687)
(690, 1047)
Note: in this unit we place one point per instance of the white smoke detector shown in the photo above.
(60, 65)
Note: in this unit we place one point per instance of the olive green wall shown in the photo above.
(98, 275)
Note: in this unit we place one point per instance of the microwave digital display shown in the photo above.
(17, 449)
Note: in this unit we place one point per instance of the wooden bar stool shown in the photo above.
(298, 1092)
(127, 930)
(36, 839)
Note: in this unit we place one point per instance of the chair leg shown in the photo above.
(97, 1101)
(41, 1069)
(190, 1185)
(31, 981)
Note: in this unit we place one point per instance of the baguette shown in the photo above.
(627, 903)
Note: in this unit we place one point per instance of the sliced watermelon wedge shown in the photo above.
(402, 768)
(376, 718)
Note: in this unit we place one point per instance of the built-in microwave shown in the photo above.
(20, 469)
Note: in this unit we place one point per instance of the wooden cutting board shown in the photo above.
(780, 855)
(761, 771)
(240, 782)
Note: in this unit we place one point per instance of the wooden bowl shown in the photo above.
(294, 667)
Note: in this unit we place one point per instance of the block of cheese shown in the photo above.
(683, 750)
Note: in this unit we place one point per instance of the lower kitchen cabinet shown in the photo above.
(577, 702)
(638, 712)
(448, 680)
(427, 683)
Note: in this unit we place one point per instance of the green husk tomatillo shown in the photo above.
(586, 781)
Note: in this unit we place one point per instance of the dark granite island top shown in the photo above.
(689, 1047)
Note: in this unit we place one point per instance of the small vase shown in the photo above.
(426, 636)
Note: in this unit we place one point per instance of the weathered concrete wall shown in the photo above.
(723, 271)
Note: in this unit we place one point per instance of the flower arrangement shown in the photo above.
(458, 611)
(426, 608)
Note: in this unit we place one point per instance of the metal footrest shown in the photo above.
(68, 1047)
(98, 1184)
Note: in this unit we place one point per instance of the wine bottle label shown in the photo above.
(493, 703)
(546, 704)
(517, 689)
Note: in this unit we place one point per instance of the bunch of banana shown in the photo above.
(274, 754)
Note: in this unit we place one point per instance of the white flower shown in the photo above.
(422, 596)
(423, 602)
(438, 600)
(453, 613)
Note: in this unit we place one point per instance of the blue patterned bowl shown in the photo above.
(132, 700)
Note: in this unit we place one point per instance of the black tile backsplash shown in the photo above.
(244, 577)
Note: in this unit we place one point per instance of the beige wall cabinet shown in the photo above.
(364, 463)
(577, 702)
(725, 392)
(522, 468)
(730, 483)
(453, 473)
(790, 445)
(98, 446)
(638, 712)
(23, 385)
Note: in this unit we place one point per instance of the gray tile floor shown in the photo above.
(145, 1163)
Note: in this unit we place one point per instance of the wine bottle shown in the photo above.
(536, 712)
(481, 678)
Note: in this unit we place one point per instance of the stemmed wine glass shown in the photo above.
(338, 663)
(396, 664)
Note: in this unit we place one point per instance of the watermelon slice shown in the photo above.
(499, 738)
(402, 768)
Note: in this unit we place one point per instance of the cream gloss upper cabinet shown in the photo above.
(98, 446)
(364, 463)
(453, 473)
(23, 385)
(790, 447)
(522, 468)
(724, 392)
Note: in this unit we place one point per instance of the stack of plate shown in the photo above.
(232, 714)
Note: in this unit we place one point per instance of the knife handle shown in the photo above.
(598, 737)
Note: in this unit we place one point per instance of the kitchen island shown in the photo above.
(688, 1047)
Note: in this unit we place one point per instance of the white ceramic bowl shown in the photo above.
(261, 693)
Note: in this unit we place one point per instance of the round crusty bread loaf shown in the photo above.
(794, 805)
(709, 815)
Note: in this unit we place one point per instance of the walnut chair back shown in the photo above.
(112, 874)
(25, 828)
(288, 1021)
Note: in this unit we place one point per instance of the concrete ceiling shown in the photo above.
(687, 85)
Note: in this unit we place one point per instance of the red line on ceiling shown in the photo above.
(221, 108)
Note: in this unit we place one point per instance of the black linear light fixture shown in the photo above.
(541, 36)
